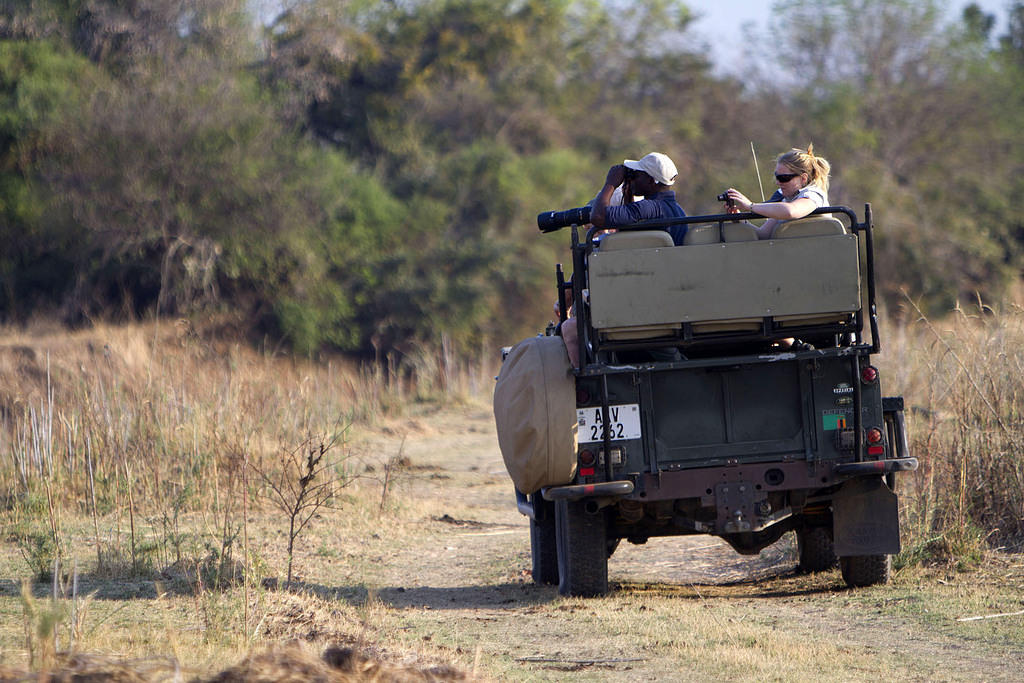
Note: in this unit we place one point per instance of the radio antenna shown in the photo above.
(757, 169)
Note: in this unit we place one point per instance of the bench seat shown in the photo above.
(724, 286)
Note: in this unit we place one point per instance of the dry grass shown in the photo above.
(123, 451)
(160, 453)
(963, 380)
(144, 421)
(288, 663)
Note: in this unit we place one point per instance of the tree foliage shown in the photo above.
(364, 176)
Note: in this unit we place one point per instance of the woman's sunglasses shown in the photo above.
(785, 177)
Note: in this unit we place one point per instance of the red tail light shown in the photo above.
(869, 374)
(874, 435)
(587, 458)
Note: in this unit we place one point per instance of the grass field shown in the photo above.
(165, 473)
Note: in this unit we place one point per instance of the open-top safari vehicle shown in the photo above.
(725, 387)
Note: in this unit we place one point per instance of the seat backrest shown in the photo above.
(812, 226)
(702, 234)
(738, 232)
(631, 240)
(636, 239)
(725, 283)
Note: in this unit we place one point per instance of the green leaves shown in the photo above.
(42, 85)
(365, 176)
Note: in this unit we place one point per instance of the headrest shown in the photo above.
(738, 232)
(813, 226)
(702, 234)
(636, 239)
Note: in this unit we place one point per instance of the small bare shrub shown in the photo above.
(41, 550)
(301, 481)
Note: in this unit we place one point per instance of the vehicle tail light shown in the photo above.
(874, 435)
(582, 397)
(869, 374)
(587, 458)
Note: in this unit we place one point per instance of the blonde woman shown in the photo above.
(802, 178)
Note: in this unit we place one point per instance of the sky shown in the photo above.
(721, 19)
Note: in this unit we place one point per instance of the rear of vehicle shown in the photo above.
(726, 388)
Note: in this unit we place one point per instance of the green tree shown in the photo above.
(42, 86)
(465, 106)
(904, 103)
(365, 176)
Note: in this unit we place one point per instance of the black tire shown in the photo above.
(865, 570)
(815, 547)
(543, 546)
(582, 541)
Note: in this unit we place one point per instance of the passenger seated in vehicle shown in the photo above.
(649, 177)
(802, 177)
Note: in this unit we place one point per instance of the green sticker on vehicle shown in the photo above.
(832, 420)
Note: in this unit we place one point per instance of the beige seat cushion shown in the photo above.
(812, 226)
(636, 239)
(738, 232)
(825, 319)
(725, 283)
(702, 234)
(737, 325)
(640, 332)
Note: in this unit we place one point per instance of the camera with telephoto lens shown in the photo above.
(549, 221)
(724, 197)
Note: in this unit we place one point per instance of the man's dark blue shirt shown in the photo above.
(661, 205)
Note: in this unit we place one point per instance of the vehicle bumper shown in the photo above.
(857, 469)
(580, 491)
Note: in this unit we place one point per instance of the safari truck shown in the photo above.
(725, 387)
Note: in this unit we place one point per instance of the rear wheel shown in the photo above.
(865, 570)
(816, 551)
(543, 548)
(582, 541)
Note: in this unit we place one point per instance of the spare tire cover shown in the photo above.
(535, 414)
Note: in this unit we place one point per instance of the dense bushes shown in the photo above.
(365, 176)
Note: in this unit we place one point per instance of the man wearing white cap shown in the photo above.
(650, 178)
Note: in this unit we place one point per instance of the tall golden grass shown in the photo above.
(963, 381)
(156, 444)
(115, 422)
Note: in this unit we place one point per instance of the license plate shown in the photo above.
(624, 421)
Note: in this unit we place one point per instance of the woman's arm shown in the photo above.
(784, 211)
(776, 212)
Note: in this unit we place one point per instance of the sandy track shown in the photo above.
(467, 574)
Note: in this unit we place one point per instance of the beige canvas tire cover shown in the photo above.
(535, 414)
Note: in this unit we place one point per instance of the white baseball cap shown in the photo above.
(656, 165)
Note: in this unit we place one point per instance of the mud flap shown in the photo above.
(865, 514)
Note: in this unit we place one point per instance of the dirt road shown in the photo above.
(457, 579)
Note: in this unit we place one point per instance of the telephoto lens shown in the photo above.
(549, 221)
